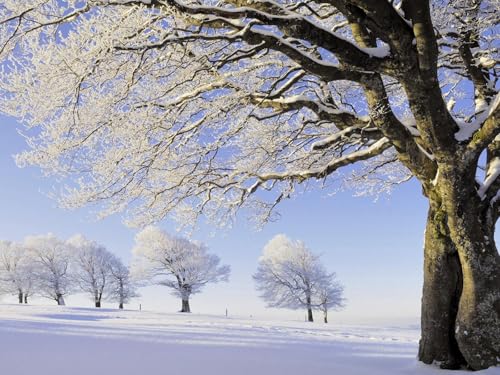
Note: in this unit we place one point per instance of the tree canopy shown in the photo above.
(210, 104)
(178, 263)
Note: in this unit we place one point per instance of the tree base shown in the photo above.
(185, 307)
(478, 334)
(440, 295)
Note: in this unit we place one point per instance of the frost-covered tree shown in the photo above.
(177, 263)
(16, 271)
(52, 258)
(122, 288)
(289, 275)
(202, 107)
(329, 296)
(92, 271)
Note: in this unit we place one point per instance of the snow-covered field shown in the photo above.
(43, 340)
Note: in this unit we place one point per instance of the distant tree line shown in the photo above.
(289, 275)
(53, 268)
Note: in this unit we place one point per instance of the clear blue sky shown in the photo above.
(374, 247)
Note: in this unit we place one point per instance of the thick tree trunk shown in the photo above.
(60, 300)
(478, 319)
(185, 306)
(441, 294)
(20, 297)
(120, 306)
(97, 303)
(477, 327)
(461, 294)
(26, 298)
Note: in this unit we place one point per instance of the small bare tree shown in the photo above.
(329, 297)
(176, 263)
(121, 288)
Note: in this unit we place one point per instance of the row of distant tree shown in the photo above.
(289, 275)
(53, 268)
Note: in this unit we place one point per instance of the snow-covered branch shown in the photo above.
(177, 263)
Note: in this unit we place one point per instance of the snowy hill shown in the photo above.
(43, 340)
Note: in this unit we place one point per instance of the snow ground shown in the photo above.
(43, 340)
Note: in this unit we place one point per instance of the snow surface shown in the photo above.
(43, 340)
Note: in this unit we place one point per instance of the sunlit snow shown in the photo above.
(43, 340)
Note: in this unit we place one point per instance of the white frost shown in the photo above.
(380, 52)
(491, 175)
(483, 111)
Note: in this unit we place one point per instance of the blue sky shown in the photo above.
(374, 247)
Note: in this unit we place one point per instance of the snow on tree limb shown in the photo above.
(170, 107)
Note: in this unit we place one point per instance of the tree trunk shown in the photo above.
(20, 297)
(477, 327)
(97, 299)
(26, 298)
(185, 306)
(478, 318)
(440, 295)
(120, 306)
(461, 294)
(60, 300)
(309, 315)
(309, 309)
(325, 316)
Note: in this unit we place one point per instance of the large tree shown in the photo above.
(16, 271)
(92, 267)
(289, 275)
(177, 263)
(52, 259)
(202, 107)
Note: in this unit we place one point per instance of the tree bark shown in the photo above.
(97, 303)
(477, 327)
(325, 317)
(20, 297)
(478, 319)
(441, 293)
(60, 300)
(26, 298)
(120, 306)
(185, 306)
